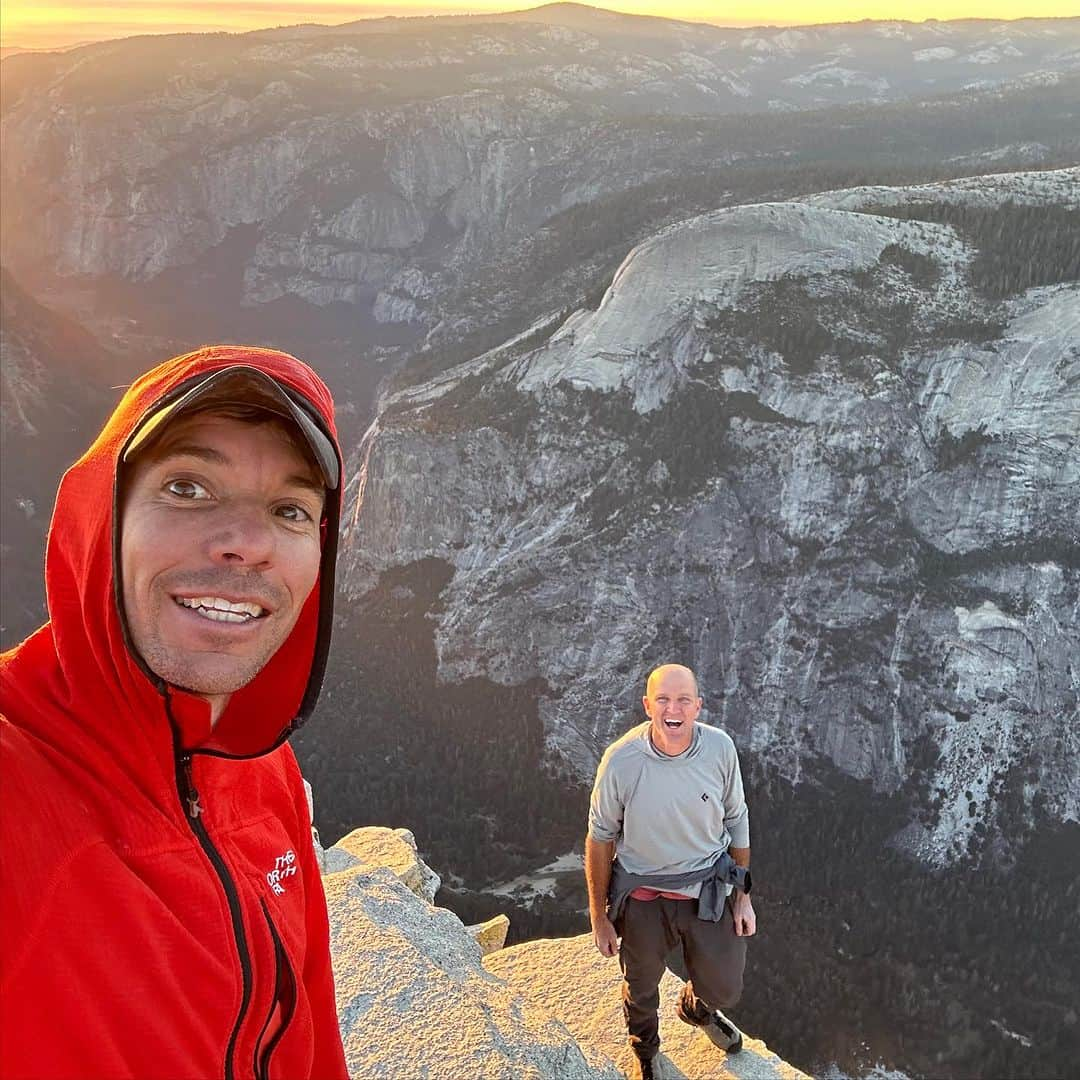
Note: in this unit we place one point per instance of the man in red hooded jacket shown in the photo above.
(161, 911)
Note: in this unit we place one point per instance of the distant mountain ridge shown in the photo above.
(394, 188)
(256, 123)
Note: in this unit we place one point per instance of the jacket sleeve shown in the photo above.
(318, 976)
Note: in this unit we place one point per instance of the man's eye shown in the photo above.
(293, 512)
(187, 489)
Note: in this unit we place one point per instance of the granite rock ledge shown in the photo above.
(417, 997)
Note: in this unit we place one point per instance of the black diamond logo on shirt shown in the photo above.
(704, 797)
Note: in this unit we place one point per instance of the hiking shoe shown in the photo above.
(721, 1031)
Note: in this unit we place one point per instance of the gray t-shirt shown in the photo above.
(669, 815)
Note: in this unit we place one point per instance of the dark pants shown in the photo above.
(714, 959)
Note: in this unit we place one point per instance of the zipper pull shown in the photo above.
(194, 805)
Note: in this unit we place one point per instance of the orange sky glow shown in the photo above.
(34, 24)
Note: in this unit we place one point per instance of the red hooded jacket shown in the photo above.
(138, 940)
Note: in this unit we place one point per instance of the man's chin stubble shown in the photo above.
(187, 678)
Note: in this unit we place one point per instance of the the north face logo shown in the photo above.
(284, 867)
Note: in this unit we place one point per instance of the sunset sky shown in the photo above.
(34, 24)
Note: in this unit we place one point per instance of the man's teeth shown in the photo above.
(220, 610)
(673, 723)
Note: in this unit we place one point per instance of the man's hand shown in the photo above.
(743, 910)
(598, 856)
(604, 936)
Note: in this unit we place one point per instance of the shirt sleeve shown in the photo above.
(736, 814)
(605, 805)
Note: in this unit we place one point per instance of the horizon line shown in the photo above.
(66, 46)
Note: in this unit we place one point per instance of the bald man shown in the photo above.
(667, 860)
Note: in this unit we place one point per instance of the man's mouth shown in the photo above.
(673, 723)
(218, 609)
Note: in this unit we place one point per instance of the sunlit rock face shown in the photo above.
(568, 978)
(413, 998)
(490, 935)
(828, 456)
(419, 994)
(394, 849)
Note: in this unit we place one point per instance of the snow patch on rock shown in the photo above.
(938, 52)
(542, 881)
(834, 75)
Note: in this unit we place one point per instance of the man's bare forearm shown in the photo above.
(598, 856)
(741, 855)
(744, 919)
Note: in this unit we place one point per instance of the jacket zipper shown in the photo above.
(189, 798)
(284, 993)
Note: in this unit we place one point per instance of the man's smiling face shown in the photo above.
(219, 550)
(672, 704)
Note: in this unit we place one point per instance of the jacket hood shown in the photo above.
(82, 659)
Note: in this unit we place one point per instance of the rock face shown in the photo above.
(490, 935)
(394, 850)
(415, 1000)
(828, 456)
(569, 979)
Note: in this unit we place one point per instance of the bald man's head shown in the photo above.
(658, 673)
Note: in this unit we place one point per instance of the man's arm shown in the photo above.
(737, 822)
(598, 857)
(743, 910)
(605, 825)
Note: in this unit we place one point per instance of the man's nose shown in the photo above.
(244, 536)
